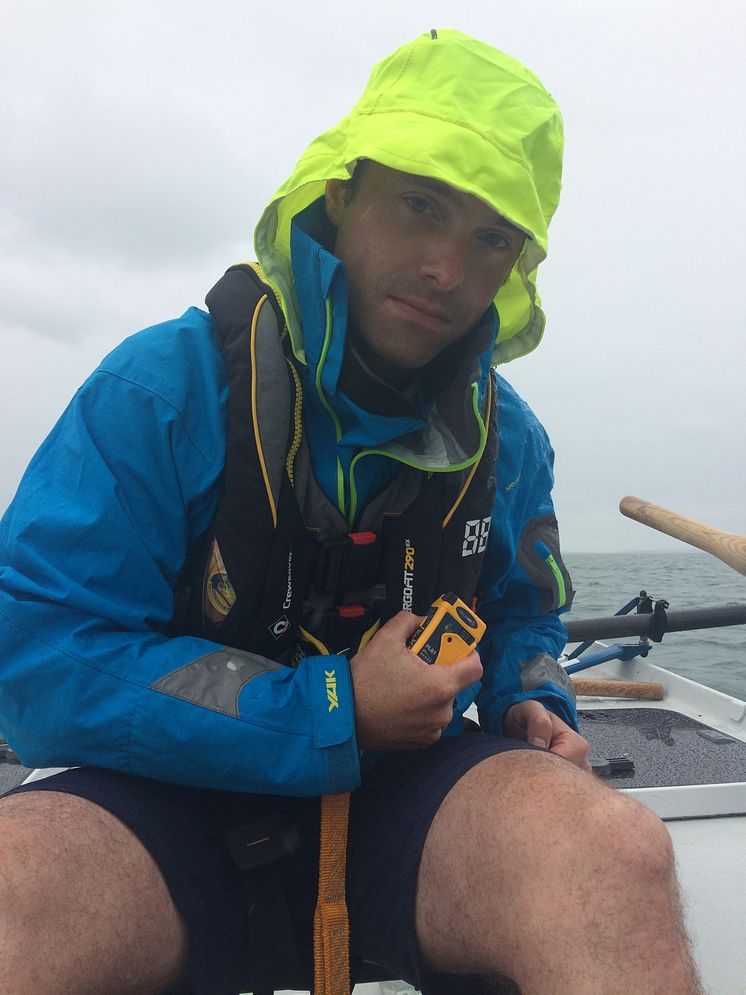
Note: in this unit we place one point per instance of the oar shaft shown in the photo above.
(726, 546)
(613, 626)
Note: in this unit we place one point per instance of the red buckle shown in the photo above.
(362, 538)
(350, 611)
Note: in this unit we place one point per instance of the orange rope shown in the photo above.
(331, 927)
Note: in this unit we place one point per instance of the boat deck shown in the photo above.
(668, 749)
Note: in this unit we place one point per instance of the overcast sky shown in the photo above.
(140, 142)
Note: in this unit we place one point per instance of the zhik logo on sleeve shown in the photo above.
(331, 689)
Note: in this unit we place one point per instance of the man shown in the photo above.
(294, 490)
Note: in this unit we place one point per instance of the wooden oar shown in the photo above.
(726, 546)
(639, 690)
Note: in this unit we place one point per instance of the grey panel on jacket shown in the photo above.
(542, 668)
(215, 681)
(544, 529)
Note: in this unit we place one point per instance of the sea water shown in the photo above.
(716, 657)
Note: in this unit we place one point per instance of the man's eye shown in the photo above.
(418, 204)
(496, 240)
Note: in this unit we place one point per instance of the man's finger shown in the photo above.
(462, 673)
(573, 747)
(539, 728)
(403, 625)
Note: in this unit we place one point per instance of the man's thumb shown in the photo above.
(540, 730)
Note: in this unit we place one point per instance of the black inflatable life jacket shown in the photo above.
(279, 560)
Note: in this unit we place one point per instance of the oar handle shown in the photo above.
(638, 690)
(726, 546)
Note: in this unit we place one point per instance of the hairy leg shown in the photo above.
(83, 906)
(534, 870)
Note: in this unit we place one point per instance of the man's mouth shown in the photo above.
(421, 312)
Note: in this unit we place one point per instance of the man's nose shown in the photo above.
(443, 263)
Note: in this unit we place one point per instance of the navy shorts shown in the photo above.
(185, 830)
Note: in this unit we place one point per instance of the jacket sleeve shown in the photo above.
(525, 585)
(90, 552)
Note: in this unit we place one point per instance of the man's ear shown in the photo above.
(336, 198)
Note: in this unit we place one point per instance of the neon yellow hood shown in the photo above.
(449, 107)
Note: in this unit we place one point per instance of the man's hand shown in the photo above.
(535, 724)
(401, 702)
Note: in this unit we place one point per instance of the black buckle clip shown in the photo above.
(347, 564)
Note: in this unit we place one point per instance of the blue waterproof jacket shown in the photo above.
(90, 552)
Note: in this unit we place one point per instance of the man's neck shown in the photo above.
(380, 391)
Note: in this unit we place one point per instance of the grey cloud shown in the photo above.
(126, 182)
(141, 141)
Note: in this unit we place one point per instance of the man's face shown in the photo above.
(423, 263)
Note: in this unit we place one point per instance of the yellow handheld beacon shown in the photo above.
(450, 631)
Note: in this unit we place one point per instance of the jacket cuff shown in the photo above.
(333, 709)
(550, 696)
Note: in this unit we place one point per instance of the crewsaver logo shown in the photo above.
(289, 593)
(331, 689)
(406, 601)
(280, 627)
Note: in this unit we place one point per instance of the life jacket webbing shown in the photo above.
(331, 927)
(255, 419)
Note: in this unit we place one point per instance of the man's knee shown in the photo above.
(586, 814)
(554, 812)
(631, 834)
(586, 826)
